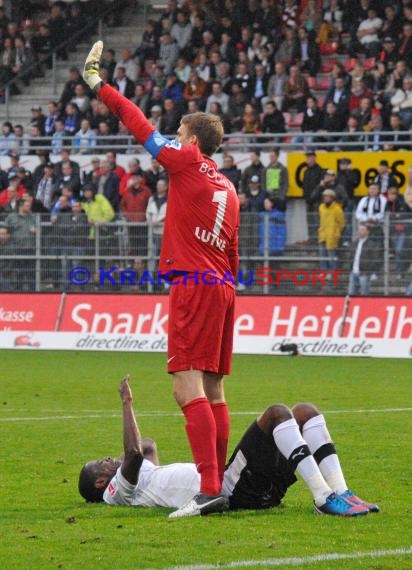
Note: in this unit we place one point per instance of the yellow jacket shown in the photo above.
(332, 222)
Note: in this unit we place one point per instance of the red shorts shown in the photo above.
(201, 319)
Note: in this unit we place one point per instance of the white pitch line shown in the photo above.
(295, 561)
(155, 414)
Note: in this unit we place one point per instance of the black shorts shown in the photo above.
(257, 475)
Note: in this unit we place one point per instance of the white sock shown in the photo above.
(316, 435)
(291, 445)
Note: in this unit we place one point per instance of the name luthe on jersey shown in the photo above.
(206, 236)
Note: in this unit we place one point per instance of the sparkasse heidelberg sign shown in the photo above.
(373, 326)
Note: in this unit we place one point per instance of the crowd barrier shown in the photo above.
(320, 326)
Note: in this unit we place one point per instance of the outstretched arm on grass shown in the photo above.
(132, 440)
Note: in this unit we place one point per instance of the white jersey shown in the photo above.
(165, 486)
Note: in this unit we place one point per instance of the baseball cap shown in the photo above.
(156, 108)
(310, 153)
(388, 40)
(49, 165)
(384, 163)
(329, 192)
(330, 172)
(36, 108)
(13, 177)
(254, 178)
(345, 161)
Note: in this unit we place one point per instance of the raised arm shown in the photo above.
(132, 440)
(126, 111)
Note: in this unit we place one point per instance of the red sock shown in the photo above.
(201, 432)
(222, 420)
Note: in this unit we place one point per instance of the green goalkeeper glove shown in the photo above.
(91, 67)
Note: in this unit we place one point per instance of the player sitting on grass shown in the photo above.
(257, 476)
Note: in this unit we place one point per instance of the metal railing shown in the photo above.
(231, 142)
(121, 256)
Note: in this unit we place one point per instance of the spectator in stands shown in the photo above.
(7, 139)
(296, 91)
(273, 119)
(349, 179)
(108, 184)
(81, 99)
(195, 89)
(181, 32)
(244, 78)
(401, 102)
(20, 140)
(218, 96)
(168, 53)
(368, 35)
(237, 102)
(173, 88)
(154, 173)
(85, 138)
(405, 43)
(140, 97)
(276, 86)
(58, 28)
(34, 142)
(44, 192)
(68, 200)
(366, 257)
(25, 178)
(255, 194)
(272, 228)
(156, 213)
(332, 122)
(353, 135)
(58, 138)
(329, 182)
(52, 115)
(284, 54)
(156, 116)
(122, 83)
(7, 266)
(250, 119)
(384, 179)
(182, 70)
(259, 86)
(275, 180)
(399, 213)
(339, 94)
(22, 226)
(255, 168)
(133, 206)
(134, 169)
(371, 211)
(69, 88)
(97, 208)
(155, 98)
(14, 163)
(331, 224)
(397, 138)
(23, 59)
(65, 157)
(363, 113)
(72, 120)
(230, 170)
(149, 45)
(68, 176)
(38, 119)
(129, 65)
(9, 198)
(311, 178)
(389, 54)
(109, 64)
(305, 52)
(311, 17)
(312, 119)
(170, 119)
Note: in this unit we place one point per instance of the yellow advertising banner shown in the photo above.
(365, 163)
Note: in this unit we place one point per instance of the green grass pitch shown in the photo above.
(60, 409)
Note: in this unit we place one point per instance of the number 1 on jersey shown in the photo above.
(220, 196)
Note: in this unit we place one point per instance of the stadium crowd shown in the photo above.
(279, 68)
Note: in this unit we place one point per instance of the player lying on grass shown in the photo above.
(259, 472)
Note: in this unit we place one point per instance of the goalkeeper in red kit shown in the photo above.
(199, 247)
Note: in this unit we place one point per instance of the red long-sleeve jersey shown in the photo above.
(202, 220)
